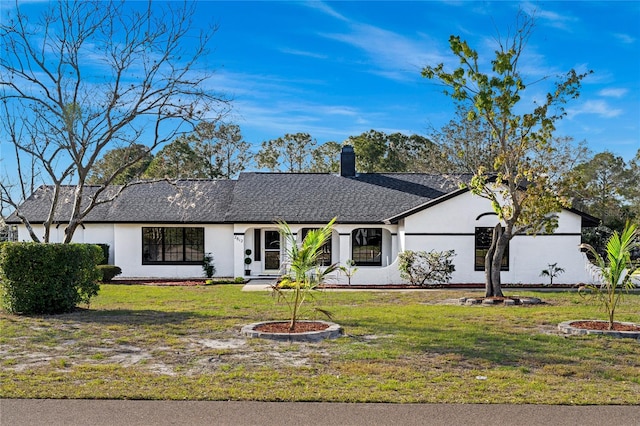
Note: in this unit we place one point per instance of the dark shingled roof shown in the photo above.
(259, 197)
(192, 201)
(304, 198)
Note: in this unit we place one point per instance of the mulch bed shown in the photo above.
(283, 327)
(604, 325)
(160, 282)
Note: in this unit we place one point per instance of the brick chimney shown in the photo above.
(347, 162)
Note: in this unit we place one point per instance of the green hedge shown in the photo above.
(105, 252)
(48, 278)
(109, 272)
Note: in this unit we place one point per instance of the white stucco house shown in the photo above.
(163, 230)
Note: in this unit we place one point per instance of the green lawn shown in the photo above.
(142, 342)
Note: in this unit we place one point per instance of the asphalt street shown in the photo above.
(23, 412)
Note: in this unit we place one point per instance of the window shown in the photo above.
(324, 257)
(172, 246)
(483, 243)
(366, 246)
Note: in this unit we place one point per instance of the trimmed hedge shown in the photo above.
(105, 252)
(48, 278)
(108, 272)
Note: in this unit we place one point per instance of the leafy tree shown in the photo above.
(379, 152)
(521, 183)
(224, 148)
(137, 155)
(291, 153)
(464, 146)
(178, 160)
(370, 148)
(631, 192)
(598, 187)
(326, 158)
(90, 75)
(413, 153)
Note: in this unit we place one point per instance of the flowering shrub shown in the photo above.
(421, 268)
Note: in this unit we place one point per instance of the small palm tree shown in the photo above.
(302, 267)
(617, 272)
(552, 271)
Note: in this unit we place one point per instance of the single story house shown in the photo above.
(162, 229)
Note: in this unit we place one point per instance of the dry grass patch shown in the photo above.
(184, 343)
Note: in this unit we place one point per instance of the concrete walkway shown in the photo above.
(259, 284)
(23, 412)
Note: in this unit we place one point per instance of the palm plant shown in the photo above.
(302, 268)
(552, 271)
(617, 271)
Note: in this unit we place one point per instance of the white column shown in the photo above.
(238, 253)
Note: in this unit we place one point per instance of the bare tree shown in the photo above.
(91, 76)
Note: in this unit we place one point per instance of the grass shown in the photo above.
(142, 342)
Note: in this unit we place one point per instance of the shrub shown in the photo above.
(48, 278)
(105, 252)
(208, 267)
(422, 268)
(287, 284)
(109, 272)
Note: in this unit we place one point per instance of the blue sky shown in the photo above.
(337, 69)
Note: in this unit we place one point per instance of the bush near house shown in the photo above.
(48, 278)
(421, 268)
(109, 272)
(105, 252)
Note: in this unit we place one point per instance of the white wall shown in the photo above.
(451, 226)
(92, 233)
(218, 240)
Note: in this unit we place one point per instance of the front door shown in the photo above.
(271, 251)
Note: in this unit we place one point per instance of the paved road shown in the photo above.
(19, 412)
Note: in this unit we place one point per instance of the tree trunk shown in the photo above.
(488, 265)
(493, 263)
(496, 265)
(69, 231)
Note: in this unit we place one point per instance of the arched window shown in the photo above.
(366, 246)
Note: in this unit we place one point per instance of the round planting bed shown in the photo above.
(308, 331)
(580, 327)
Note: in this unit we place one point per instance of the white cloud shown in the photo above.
(303, 53)
(613, 92)
(595, 107)
(625, 38)
(549, 17)
(389, 54)
(326, 9)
